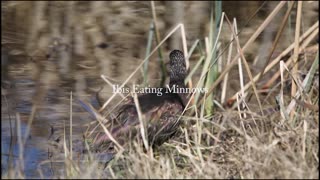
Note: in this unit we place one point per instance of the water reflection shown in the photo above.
(33, 152)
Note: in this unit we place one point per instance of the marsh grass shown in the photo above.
(222, 143)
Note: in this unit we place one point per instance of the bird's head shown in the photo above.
(178, 70)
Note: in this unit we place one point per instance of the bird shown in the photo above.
(161, 113)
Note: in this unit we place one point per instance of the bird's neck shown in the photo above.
(177, 83)
(183, 96)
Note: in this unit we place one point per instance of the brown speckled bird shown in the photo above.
(161, 113)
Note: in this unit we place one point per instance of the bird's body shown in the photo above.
(161, 113)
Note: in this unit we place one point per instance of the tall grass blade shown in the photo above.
(213, 72)
(296, 51)
(157, 35)
(148, 49)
